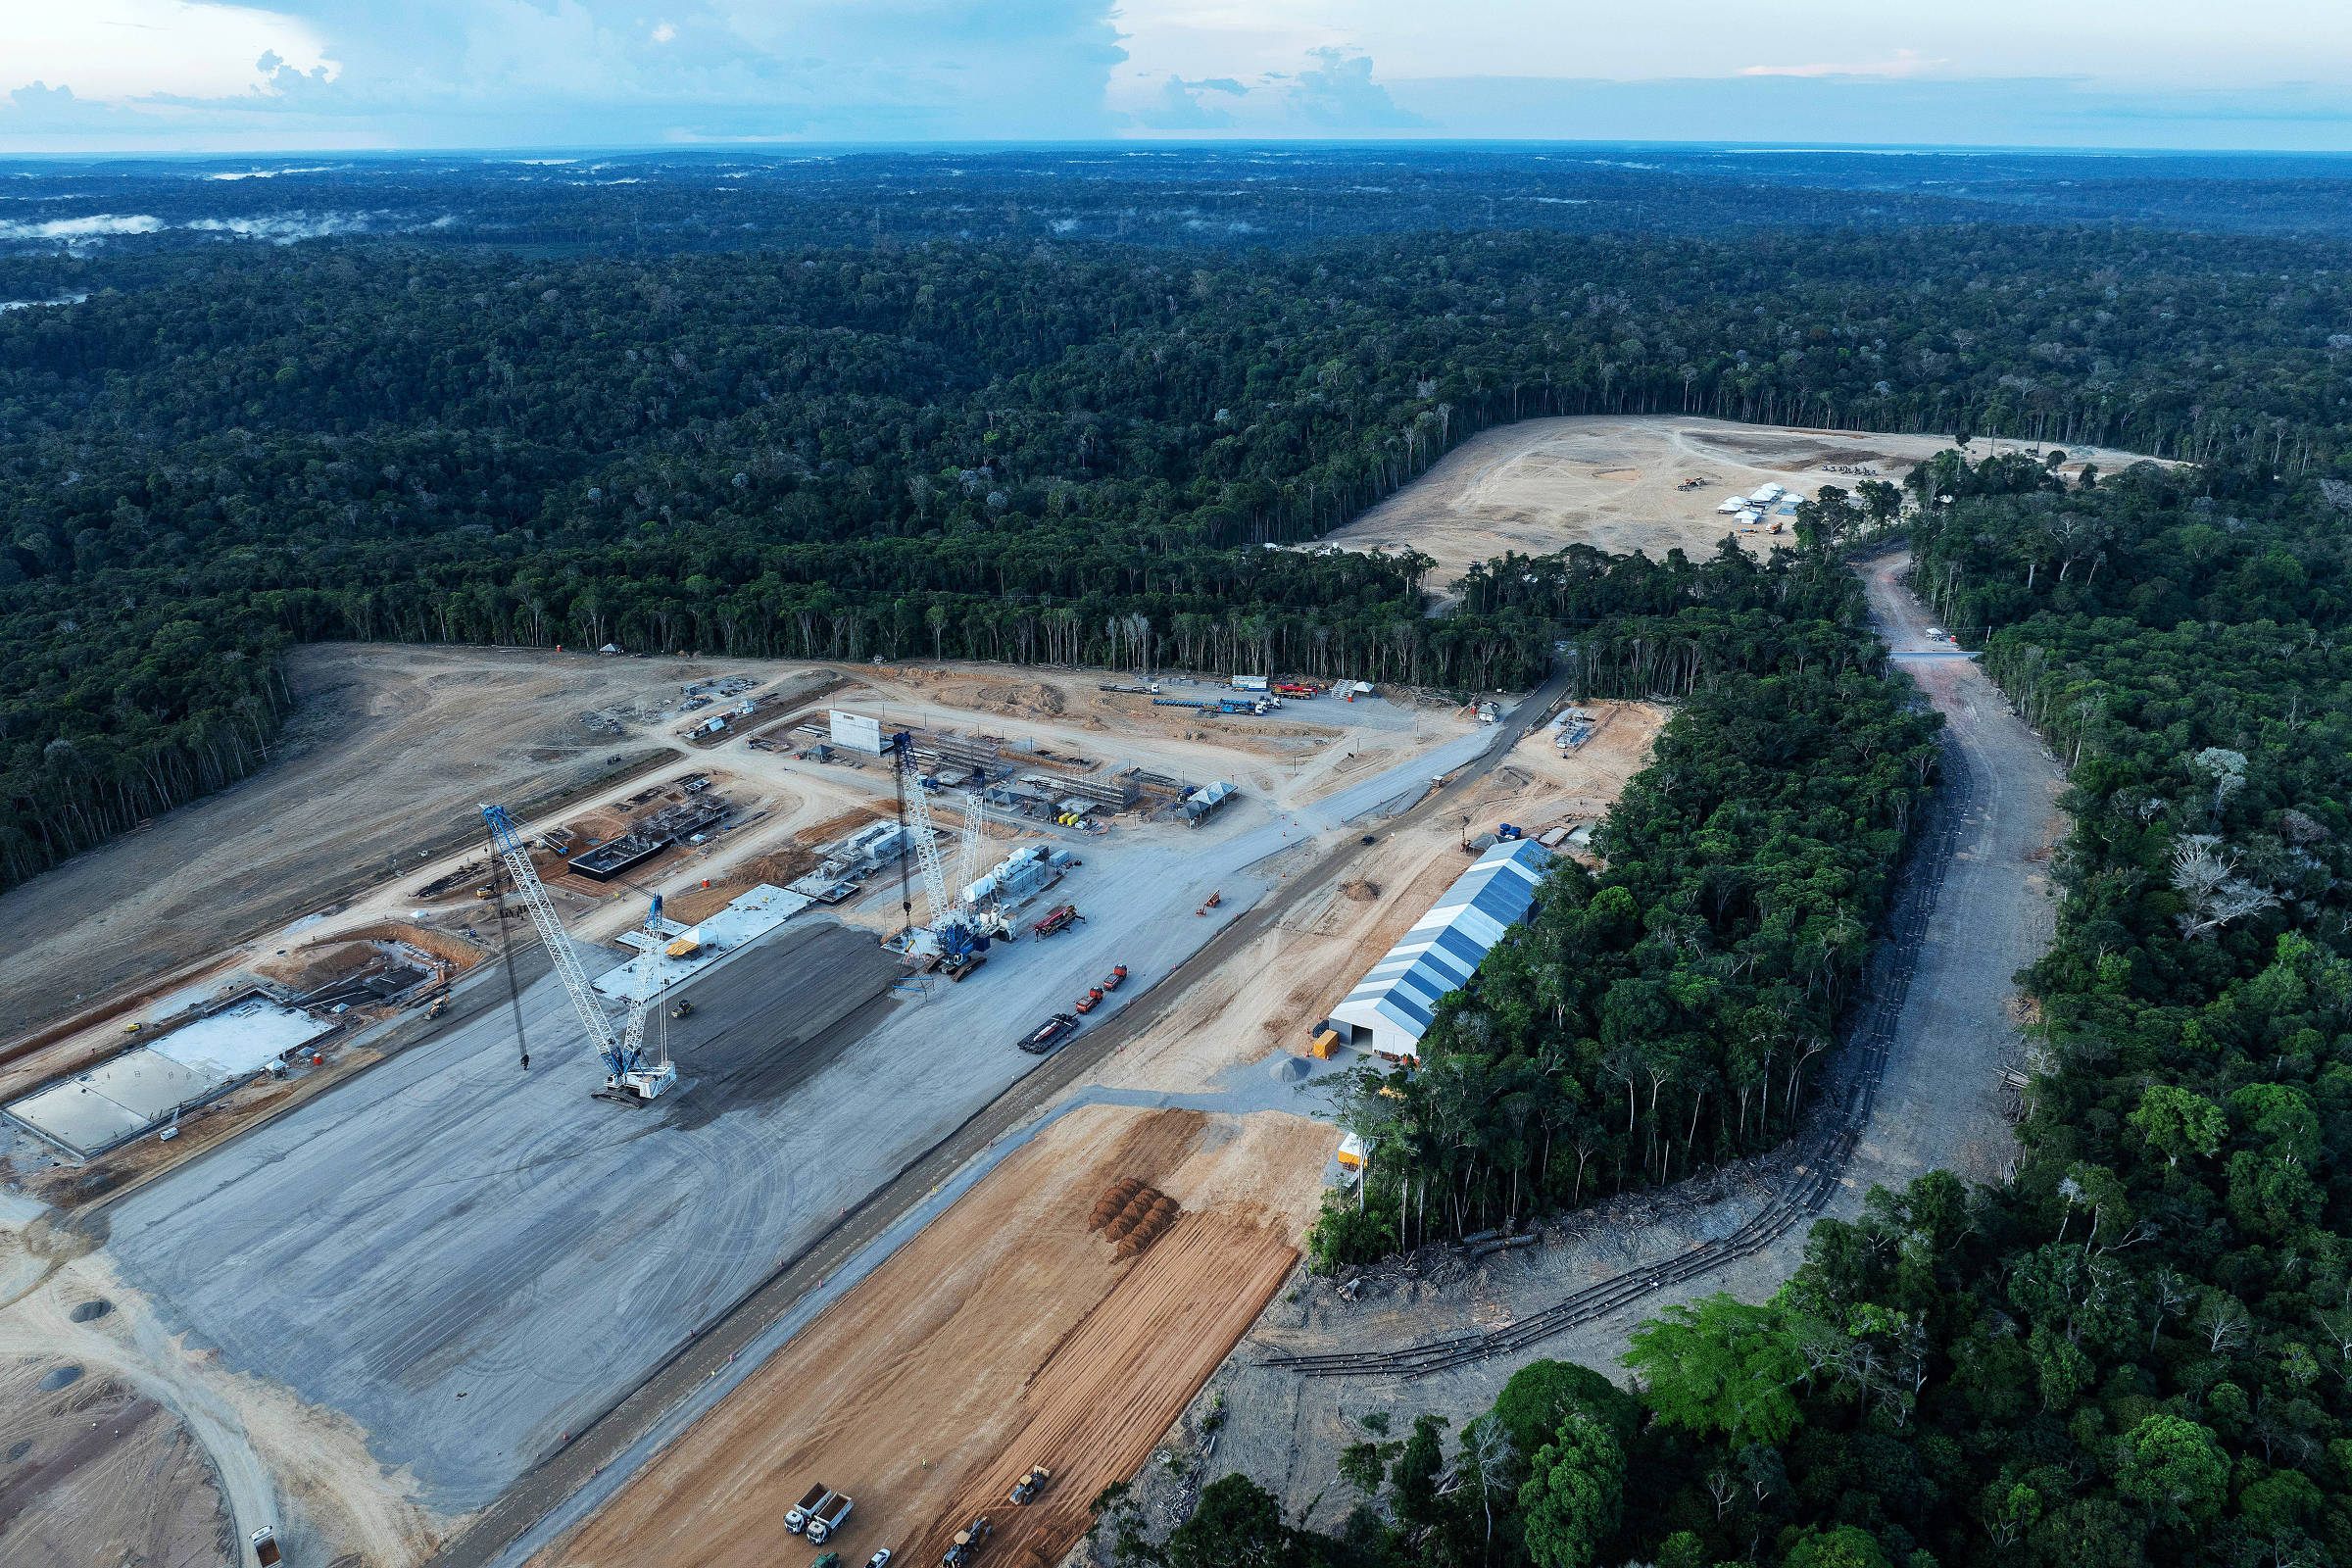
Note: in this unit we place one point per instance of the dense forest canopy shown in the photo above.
(1670, 1010)
(654, 202)
(1065, 453)
(2136, 1350)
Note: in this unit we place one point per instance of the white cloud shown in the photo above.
(1337, 93)
(117, 50)
(94, 226)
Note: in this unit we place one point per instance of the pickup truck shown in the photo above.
(1045, 1036)
(797, 1517)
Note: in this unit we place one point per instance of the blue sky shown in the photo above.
(171, 75)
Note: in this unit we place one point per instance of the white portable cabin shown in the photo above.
(1393, 1005)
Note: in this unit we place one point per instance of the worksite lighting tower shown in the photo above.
(631, 1076)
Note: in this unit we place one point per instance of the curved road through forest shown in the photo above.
(1918, 1088)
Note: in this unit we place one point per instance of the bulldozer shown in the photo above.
(1029, 1485)
(965, 1550)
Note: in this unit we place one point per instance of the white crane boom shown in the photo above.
(627, 1075)
(926, 852)
(967, 863)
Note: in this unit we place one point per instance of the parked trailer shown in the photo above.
(829, 1517)
(1060, 919)
(1049, 1034)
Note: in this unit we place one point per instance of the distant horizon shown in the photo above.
(135, 77)
(538, 152)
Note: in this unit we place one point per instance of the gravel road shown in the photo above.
(1938, 1105)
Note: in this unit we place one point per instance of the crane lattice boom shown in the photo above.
(626, 1072)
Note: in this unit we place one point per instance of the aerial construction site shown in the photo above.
(583, 1109)
(434, 1107)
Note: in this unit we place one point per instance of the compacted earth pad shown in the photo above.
(1010, 1333)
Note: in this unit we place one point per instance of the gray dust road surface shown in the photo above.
(1939, 1106)
(472, 1259)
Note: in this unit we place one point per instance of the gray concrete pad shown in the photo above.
(448, 1225)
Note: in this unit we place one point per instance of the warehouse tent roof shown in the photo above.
(1444, 945)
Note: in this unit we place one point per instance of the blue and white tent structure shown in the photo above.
(1394, 1003)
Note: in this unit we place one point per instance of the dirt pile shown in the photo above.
(1034, 697)
(1132, 1216)
(1360, 891)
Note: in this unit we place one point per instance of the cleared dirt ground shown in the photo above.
(1272, 994)
(1006, 1334)
(1612, 482)
(94, 1472)
(390, 748)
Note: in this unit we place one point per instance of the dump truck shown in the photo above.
(966, 1549)
(1103, 988)
(1045, 1036)
(797, 1517)
(1030, 1484)
(265, 1546)
(830, 1516)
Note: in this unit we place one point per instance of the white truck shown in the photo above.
(797, 1516)
(831, 1514)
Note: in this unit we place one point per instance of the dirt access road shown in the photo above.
(389, 749)
(1006, 1334)
(1939, 1105)
(1611, 482)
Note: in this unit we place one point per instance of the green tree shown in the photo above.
(2174, 1466)
(1574, 1497)
(1720, 1365)
(2177, 1122)
(1841, 1547)
(1239, 1525)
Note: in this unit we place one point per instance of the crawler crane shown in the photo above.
(632, 1075)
